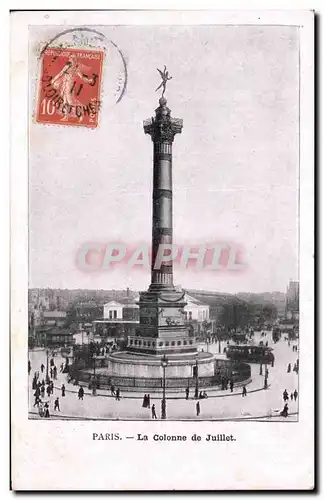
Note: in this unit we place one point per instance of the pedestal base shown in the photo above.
(132, 372)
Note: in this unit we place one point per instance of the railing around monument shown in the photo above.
(240, 372)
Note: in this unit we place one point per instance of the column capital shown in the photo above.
(162, 127)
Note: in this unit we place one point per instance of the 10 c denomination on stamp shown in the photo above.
(70, 86)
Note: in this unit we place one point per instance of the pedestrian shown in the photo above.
(51, 372)
(81, 393)
(148, 400)
(144, 405)
(244, 391)
(52, 362)
(55, 372)
(37, 400)
(41, 409)
(57, 404)
(29, 367)
(112, 390)
(285, 395)
(117, 394)
(153, 412)
(63, 390)
(42, 368)
(187, 393)
(231, 385)
(42, 391)
(198, 408)
(295, 394)
(48, 390)
(284, 412)
(292, 396)
(52, 386)
(43, 383)
(47, 414)
(289, 368)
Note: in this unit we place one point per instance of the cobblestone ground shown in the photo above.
(220, 405)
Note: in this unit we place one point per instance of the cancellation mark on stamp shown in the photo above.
(70, 86)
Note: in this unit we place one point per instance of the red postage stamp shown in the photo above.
(69, 87)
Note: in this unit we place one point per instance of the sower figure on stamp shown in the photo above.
(63, 82)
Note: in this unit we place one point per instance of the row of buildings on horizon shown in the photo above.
(65, 316)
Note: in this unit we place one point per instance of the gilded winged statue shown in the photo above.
(165, 78)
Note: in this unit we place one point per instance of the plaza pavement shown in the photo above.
(220, 405)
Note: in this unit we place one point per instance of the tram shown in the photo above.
(239, 337)
(250, 354)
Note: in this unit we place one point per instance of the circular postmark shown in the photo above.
(81, 74)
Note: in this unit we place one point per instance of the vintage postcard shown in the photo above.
(162, 250)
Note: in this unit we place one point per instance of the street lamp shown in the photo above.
(47, 377)
(219, 340)
(94, 388)
(266, 374)
(164, 363)
(197, 379)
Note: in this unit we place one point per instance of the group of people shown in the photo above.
(285, 396)
(227, 383)
(115, 392)
(146, 401)
(203, 395)
(39, 388)
(46, 385)
(293, 395)
(295, 368)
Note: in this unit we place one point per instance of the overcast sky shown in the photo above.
(235, 165)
